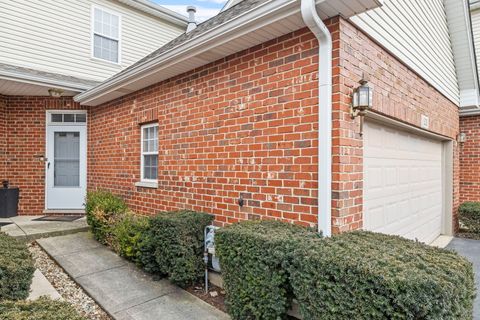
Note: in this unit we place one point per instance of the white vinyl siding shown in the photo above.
(56, 36)
(416, 31)
(476, 34)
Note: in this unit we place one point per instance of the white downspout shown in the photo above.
(321, 32)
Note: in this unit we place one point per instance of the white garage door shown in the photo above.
(402, 183)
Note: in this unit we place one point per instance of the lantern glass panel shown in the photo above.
(364, 96)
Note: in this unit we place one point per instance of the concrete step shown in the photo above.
(26, 228)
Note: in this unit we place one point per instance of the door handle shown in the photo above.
(48, 165)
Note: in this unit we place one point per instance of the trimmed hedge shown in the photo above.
(103, 209)
(127, 234)
(254, 256)
(364, 275)
(172, 246)
(469, 216)
(16, 268)
(40, 309)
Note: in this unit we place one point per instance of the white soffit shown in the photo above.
(15, 88)
(265, 22)
(459, 24)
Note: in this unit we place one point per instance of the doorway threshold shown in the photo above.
(65, 212)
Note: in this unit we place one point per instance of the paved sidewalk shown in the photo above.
(27, 228)
(119, 287)
(470, 249)
(41, 287)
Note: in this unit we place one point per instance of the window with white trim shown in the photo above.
(149, 161)
(106, 35)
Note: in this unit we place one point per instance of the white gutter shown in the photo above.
(318, 28)
(42, 81)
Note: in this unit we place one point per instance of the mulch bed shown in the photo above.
(468, 235)
(214, 297)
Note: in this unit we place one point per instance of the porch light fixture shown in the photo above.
(361, 102)
(55, 93)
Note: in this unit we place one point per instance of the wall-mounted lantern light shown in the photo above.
(55, 93)
(462, 137)
(361, 102)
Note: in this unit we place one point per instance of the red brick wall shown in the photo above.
(25, 142)
(399, 93)
(247, 125)
(470, 159)
(242, 126)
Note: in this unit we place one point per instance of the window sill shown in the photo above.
(146, 184)
(106, 62)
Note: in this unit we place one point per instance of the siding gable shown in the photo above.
(416, 31)
(55, 36)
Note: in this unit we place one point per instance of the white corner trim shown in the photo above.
(145, 184)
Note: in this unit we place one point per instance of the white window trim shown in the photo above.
(149, 183)
(92, 33)
(50, 123)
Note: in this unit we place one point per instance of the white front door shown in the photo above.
(66, 163)
(402, 183)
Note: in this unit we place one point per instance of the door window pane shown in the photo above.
(66, 159)
(68, 117)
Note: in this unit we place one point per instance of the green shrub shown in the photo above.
(364, 275)
(103, 209)
(127, 233)
(254, 256)
(40, 309)
(172, 246)
(16, 269)
(469, 216)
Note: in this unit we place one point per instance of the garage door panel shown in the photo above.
(403, 183)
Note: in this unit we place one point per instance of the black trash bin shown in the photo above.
(8, 200)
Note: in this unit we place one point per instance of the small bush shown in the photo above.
(172, 246)
(363, 275)
(254, 256)
(103, 209)
(40, 309)
(16, 269)
(469, 217)
(127, 233)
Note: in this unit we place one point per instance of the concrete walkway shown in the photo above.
(25, 227)
(470, 249)
(41, 287)
(119, 287)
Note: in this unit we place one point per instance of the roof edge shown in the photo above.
(157, 11)
(220, 30)
(267, 11)
(44, 81)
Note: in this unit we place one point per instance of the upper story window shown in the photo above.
(106, 35)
